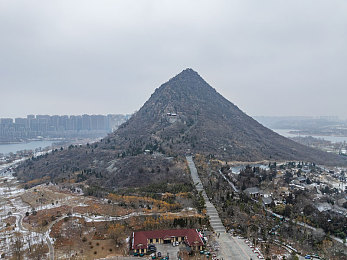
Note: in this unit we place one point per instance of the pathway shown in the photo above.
(230, 247)
(230, 183)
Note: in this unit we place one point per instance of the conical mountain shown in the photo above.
(187, 114)
(184, 115)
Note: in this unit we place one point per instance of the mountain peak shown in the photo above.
(186, 113)
(188, 74)
(187, 80)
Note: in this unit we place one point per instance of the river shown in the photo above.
(333, 139)
(12, 148)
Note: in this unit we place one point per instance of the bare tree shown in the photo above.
(18, 246)
(38, 251)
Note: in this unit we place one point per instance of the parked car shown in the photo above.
(152, 248)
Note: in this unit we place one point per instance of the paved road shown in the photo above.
(230, 183)
(230, 247)
(48, 239)
(125, 258)
(51, 248)
(19, 219)
(339, 240)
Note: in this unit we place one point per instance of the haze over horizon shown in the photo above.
(274, 58)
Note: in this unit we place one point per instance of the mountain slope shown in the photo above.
(184, 115)
(206, 123)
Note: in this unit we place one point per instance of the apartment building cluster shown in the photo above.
(34, 126)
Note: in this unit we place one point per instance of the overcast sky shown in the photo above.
(97, 57)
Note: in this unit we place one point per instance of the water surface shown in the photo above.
(12, 148)
(333, 139)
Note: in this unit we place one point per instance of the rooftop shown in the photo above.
(253, 190)
(191, 237)
(267, 200)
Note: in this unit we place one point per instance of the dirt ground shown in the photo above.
(40, 220)
(95, 207)
(94, 249)
(44, 195)
(76, 238)
(83, 240)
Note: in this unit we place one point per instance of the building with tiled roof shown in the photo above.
(252, 192)
(141, 239)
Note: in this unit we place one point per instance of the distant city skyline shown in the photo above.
(45, 114)
(32, 126)
(273, 58)
(128, 115)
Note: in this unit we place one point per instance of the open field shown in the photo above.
(59, 222)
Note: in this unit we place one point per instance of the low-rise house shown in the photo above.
(267, 201)
(293, 186)
(141, 239)
(324, 206)
(339, 210)
(306, 169)
(253, 192)
(302, 179)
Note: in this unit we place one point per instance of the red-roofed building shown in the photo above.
(142, 239)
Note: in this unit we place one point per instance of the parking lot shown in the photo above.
(165, 249)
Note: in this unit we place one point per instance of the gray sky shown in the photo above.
(274, 57)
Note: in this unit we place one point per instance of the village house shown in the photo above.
(267, 201)
(253, 192)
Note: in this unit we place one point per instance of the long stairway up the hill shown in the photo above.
(215, 221)
(230, 247)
